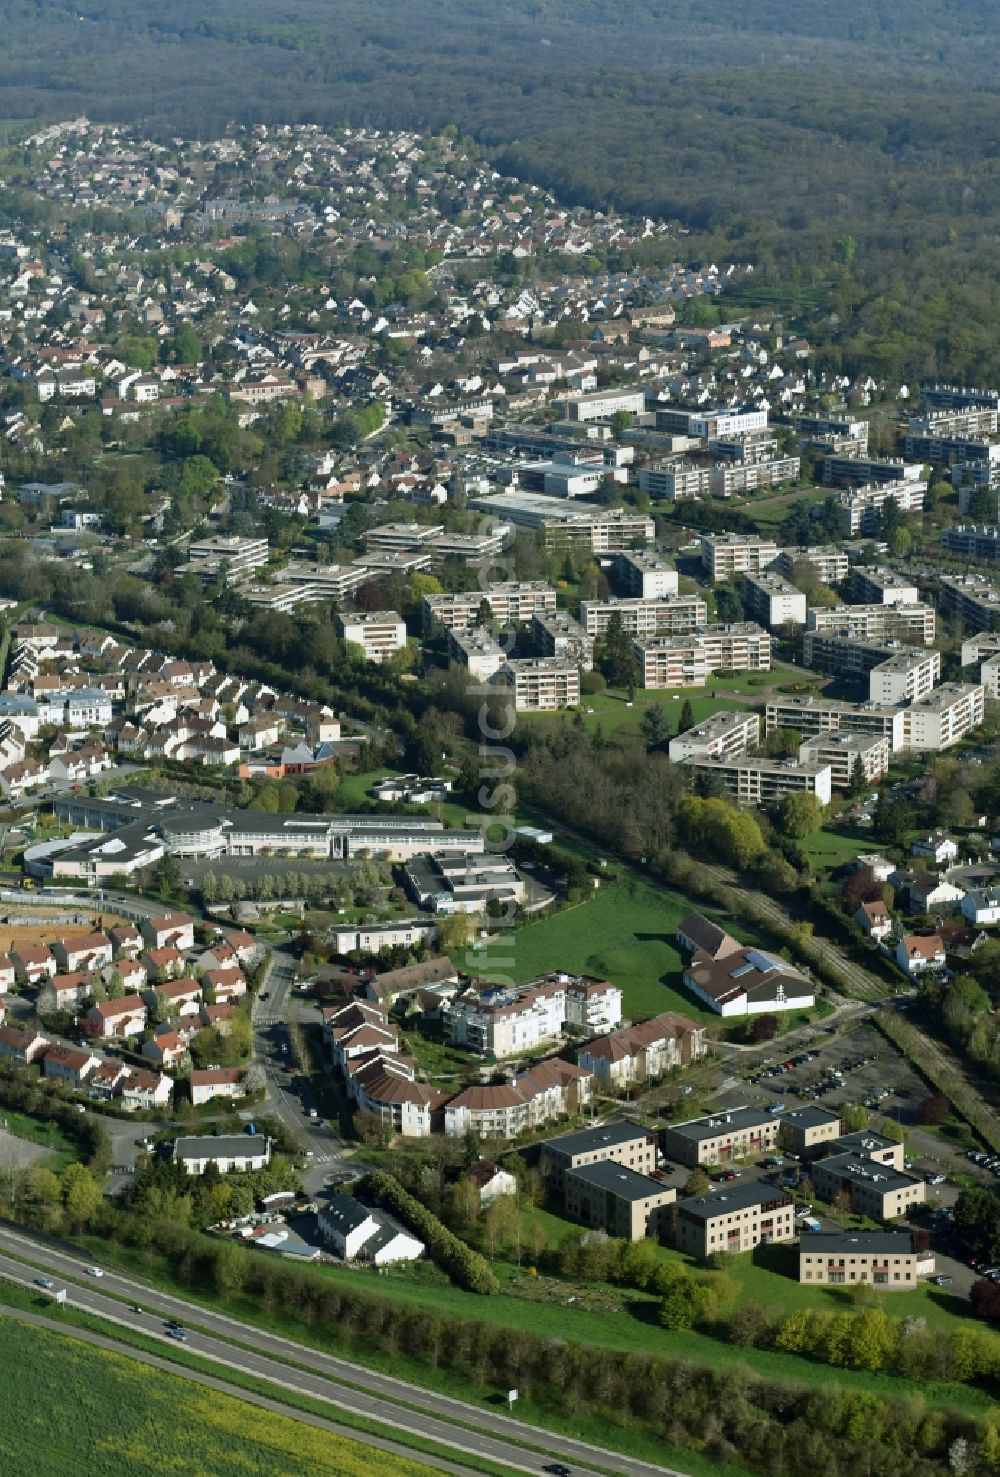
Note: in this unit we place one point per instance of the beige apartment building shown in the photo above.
(735, 1218)
(886, 1259)
(871, 585)
(751, 780)
(737, 1134)
(672, 615)
(813, 715)
(872, 1189)
(772, 600)
(686, 661)
(511, 602)
(724, 555)
(808, 1129)
(843, 751)
(621, 1143)
(829, 562)
(540, 684)
(641, 573)
(915, 624)
(905, 677)
(613, 1198)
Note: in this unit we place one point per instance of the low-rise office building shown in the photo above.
(884, 1259)
(868, 1188)
(808, 1130)
(735, 1218)
(720, 1138)
(239, 1151)
(611, 1197)
(621, 1142)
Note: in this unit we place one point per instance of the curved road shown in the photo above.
(322, 1376)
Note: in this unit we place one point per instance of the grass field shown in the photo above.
(828, 850)
(624, 933)
(70, 1407)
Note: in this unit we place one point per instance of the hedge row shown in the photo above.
(464, 1266)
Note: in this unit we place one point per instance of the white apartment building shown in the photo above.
(837, 651)
(643, 574)
(541, 684)
(772, 600)
(812, 715)
(842, 751)
(672, 616)
(906, 677)
(724, 555)
(477, 651)
(861, 507)
(511, 602)
(593, 1005)
(871, 586)
(914, 624)
(378, 632)
(556, 633)
(323, 581)
(973, 599)
(677, 615)
(499, 1022)
(757, 781)
(829, 562)
(686, 661)
(723, 736)
(675, 480)
(944, 717)
(240, 556)
(977, 648)
(989, 676)
(601, 405)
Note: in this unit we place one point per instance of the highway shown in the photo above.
(322, 1376)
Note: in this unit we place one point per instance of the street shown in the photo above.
(485, 1433)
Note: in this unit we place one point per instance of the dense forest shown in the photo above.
(849, 152)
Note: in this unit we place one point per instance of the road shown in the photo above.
(485, 1432)
(270, 1034)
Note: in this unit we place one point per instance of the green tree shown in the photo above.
(687, 716)
(81, 1195)
(799, 815)
(655, 726)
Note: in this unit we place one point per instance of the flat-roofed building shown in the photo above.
(871, 1189)
(240, 556)
(905, 677)
(323, 581)
(379, 633)
(944, 717)
(475, 649)
(674, 615)
(725, 735)
(603, 404)
(973, 542)
(861, 508)
(812, 715)
(724, 555)
(978, 648)
(843, 752)
(842, 654)
(967, 420)
(618, 1142)
(958, 397)
(644, 574)
(876, 586)
(865, 1143)
(989, 676)
(914, 624)
(884, 1259)
(541, 683)
(808, 1130)
(755, 780)
(867, 471)
(680, 661)
(511, 602)
(613, 1198)
(732, 1219)
(829, 562)
(740, 1133)
(772, 600)
(675, 479)
(557, 634)
(972, 599)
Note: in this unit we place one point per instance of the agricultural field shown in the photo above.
(70, 1407)
(624, 933)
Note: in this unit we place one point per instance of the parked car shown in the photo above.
(944, 1281)
(936, 1179)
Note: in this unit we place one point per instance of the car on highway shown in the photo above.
(136, 1308)
(177, 1333)
(93, 1271)
(45, 1282)
(558, 1469)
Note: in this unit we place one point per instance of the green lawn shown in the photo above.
(830, 849)
(770, 513)
(624, 933)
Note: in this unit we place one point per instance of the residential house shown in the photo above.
(83, 951)
(163, 964)
(491, 1181)
(981, 905)
(938, 847)
(166, 1049)
(217, 1082)
(174, 930)
(357, 1232)
(23, 1047)
(143, 1090)
(645, 1051)
(874, 919)
(69, 1064)
(242, 1152)
(8, 974)
(33, 963)
(916, 953)
(127, 941)
(64, 991)
(218, 1017)
(123, 1017)
(228, 984)
(179, 997)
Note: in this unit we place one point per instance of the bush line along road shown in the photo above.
(350, 1386)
